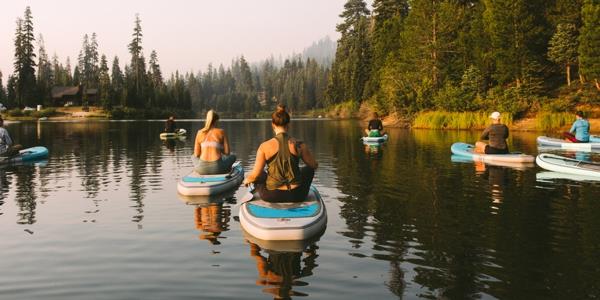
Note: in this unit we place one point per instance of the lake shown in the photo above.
(101, 219)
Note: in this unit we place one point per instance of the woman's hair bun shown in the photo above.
(281, 108)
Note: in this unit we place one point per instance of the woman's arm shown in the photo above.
(226, 149)
(197, 145)
(307, 156)
(259, 165)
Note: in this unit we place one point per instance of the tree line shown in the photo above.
(238, 89)
(465, 55)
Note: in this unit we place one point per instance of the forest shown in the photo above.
(397, 56)
(515, 56)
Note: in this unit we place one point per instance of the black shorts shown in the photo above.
(491, 150)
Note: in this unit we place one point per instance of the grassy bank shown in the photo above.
(456, 120)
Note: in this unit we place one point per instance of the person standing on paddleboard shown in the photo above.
(7, 149)
(284, 180)
(497, 133)
(580, 130)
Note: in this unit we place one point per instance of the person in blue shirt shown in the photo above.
(6, 143)
(580, 131)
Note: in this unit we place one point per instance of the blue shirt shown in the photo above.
(581, 129)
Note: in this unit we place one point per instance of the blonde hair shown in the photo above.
(211, 119)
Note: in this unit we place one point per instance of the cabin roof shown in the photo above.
(61, 91)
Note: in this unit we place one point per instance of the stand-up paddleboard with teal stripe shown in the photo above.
(284, 221)
(195, 184)
(26, 155)
(466, 150)
(375, 140)
(594, 143)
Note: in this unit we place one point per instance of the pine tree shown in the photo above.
(519, 36)
(104, 83)
(45, 75)
(563, 48)
(117, 84)
(351, 66)
(389, 16)
(2, 91)
(589, 42)
(25, 89)
(138, 69)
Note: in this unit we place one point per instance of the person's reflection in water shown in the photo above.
(170, 144)
(497, 178)
(374, 151)
(280, 271)
(212, 220)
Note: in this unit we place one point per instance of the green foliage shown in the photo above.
(453, 97)
(563, 45)
(553, 120)
(589, 41)
(456, 120)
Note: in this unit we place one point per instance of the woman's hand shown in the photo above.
(247, 181)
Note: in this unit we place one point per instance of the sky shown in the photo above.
(187, 34)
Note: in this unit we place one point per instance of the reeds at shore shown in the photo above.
(456, 120)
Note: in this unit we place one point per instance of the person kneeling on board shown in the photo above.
(580, 130)
(170, 125)
(375, 127)
(211, 148)
(7, 149)
(497, 133)
(284, 180)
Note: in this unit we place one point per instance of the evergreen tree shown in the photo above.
(389, 16)
(155, 80)
(589, 42)
(136, 78)
(11, 91)
(69, 75)
(104, 83)
(25, 88)
(563, 48)
(519, 37)
(117, 84)
(2, 91)
(350, 69)
(45, 75)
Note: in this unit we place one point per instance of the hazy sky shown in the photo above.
(187, 34)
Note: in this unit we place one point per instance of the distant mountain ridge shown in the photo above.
(323, 51)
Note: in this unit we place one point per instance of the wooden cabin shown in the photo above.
(73, 96)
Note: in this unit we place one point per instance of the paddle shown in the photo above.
(248, 196)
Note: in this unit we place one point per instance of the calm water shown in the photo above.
(101, 219)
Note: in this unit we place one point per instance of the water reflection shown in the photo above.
(211, 214)
(418, 224)
(282, 264)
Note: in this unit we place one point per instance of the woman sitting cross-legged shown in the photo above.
(284, 180)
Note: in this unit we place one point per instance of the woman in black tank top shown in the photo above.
(284, 180)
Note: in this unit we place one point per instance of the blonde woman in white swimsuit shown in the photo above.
(211, 148)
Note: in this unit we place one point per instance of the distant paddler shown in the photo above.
(171, 125)
(375, 127)
(580, 130)
(496, 134)
(7, 148)
(212, 154)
